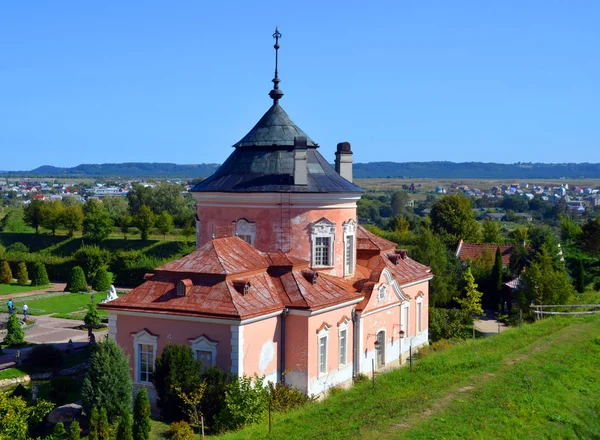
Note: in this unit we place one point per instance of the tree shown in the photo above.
(111, 391)
(59, 431)
(52, 215)
(6, 276)
(74, 431)
(34, 214)
(126, 223)
(246, 402)
(103, 426)
(102, 281)
(399, 201)
(72, 218)
(17, 417)
(97, 224)
(452, 217)
(116, 207)
(39, 277)
(144, 220)
(77, 282)
(92, 258)
(580, 280)
(124, 430)
(22, 275)
(491, 232)
(92, 317)
(497, 274)
(177, 371)
(188, 230)
(569, 230)
(545, 284)
(167, 197)
(164, 223)
(139, 196)
(14, 332)
(590, 236)
(141, 416)
(471, 302)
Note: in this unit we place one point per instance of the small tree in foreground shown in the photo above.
(471, 303)
(74, 431)
(39, 277)
(92, 317)
(14, 332)
(77, 282)
(107, 383)
(141, 416)
(59, 432)
(124, 431)
(246, 402)
(22, 275)
(6, 275)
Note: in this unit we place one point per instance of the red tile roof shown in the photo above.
(470, 251)
(366, 240)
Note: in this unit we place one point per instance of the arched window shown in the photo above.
(246, 230)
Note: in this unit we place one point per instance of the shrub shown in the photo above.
(108, 391)
(17, 247)
(124, 431)
(77, 282)
(361, 378)
(448, 323)
(5, 273)
(74, 431)
(176, 371)
(92, 317)
(92, 259)
(22, 275)
(14, 332)
(181, 431)
(21, 391)
(45, 355)
(213, 400)
(59, 431)
(39, 277)
(103, 280)
(285, 397)
(61, 388)
(246, 402)
(141, 416)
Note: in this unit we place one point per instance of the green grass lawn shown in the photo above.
(12, 288)
(74, 304)
(540, 381)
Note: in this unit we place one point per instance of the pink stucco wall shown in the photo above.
(174, 332)
(219, 220)
(296, 347)
(262, 345)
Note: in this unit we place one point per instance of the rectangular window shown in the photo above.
(322, 251)
(382, 292)
(205, 357)
(349, 254)
(146, 358)
(246, 238)
(419, 317)
(406, 317)
(323, 355)
(343, 349)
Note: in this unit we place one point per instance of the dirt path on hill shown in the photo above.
(478, 380)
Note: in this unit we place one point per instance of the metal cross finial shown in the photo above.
(276, 94)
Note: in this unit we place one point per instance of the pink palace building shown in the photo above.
(283, 279)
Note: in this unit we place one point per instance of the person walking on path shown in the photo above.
(25, 308)
(10, 306)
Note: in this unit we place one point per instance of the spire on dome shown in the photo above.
(276, 94)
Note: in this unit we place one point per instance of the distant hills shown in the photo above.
(439, 170)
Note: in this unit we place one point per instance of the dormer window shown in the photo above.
(322, 239)
(183, 287)
(243, 287)
(382, 293)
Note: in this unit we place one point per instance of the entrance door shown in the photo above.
(381, 349)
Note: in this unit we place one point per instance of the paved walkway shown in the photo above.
(489, 325)
(57, 287)
(53, 330)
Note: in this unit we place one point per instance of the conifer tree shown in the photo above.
(93, 427)
(497, 278)
(103, 426)
(124, 431)
(471, 303)
(102, 280)
(22, 275)
(92, 317)
(580, 277)
(74, 431)
(39, 277)
(141, 416)
(59, 431)
(14, 332)
(77, 282)
(6, 276)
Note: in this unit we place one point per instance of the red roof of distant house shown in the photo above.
(469, 251)
(38, 196)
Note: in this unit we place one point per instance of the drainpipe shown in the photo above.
(282, 351)
(354, 343)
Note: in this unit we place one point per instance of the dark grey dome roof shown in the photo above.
(263, 161)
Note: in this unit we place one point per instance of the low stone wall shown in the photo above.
(4, 383)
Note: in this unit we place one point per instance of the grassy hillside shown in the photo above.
(540, 381)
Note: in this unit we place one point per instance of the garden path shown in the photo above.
(56, 287)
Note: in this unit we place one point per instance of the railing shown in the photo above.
(579, 309)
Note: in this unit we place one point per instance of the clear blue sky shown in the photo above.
(149, 81)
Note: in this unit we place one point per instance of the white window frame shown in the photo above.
(349, 241)
(343, 327)
(323, 229)
(382, 293)
(247, 229)
(203, 343)
(323, 334)
(140, 338)
(419, 314)
(405, 324)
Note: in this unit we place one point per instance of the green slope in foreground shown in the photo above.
(540, 381)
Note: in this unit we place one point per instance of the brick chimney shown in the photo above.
(300, 168)
(343, 160)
